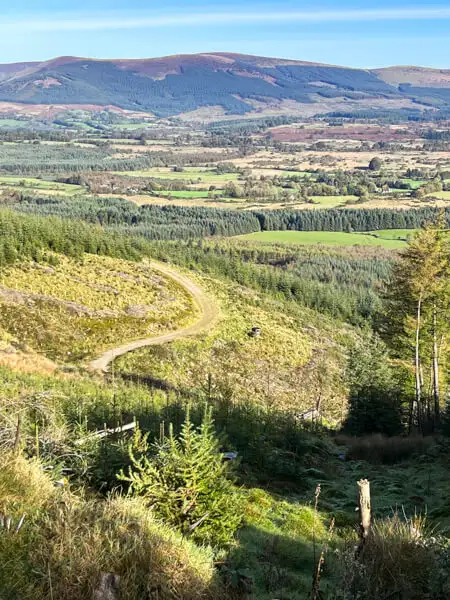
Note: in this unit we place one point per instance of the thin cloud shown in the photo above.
(116, 21)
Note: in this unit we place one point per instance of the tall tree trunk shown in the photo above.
(436, 391)
(417, 359)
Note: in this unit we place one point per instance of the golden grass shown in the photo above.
(269, 369)
(24, 487)
(73, 310)
(69, 542)
(27, 362)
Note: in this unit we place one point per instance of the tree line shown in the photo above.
(180, 222)
(36, 238)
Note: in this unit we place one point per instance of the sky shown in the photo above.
(343, 32)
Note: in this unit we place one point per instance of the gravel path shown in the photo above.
(208, 310)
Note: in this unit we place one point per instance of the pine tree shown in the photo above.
(187, 483)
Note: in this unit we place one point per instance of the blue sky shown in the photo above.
(345, 32)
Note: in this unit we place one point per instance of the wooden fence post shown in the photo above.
(365, 513)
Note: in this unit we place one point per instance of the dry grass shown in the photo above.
(67, 543)
(379, 449)
(24, 361)
(24, 487)
(401, 559)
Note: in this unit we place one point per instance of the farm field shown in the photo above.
(40, 184)
(196, 175)
(332, 201)
(185, 194)
(441, 195)
(326, 238)
(393, 234)
(11, 123)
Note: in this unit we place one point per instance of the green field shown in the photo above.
(326, 238)
(442, 195)
(414, 183)
(40, 184)
(332, 201)
(12, 123)
(185, 193)
(393, 234)
(192, 173)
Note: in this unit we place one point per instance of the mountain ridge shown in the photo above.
(238, 83)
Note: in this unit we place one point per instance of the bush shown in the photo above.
(187, 483)
(379, 449)
(401, 559)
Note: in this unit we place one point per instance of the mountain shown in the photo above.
(236, 83)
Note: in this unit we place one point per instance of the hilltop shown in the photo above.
(233, 83)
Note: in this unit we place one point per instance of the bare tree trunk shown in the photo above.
(436, 390)
(365, 512)
(417, 358)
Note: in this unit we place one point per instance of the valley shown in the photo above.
(219, 312)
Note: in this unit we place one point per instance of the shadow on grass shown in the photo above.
(267, 565)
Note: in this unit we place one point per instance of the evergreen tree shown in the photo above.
(375, 398)
(186, 482)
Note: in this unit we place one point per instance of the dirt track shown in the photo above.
(208, 310)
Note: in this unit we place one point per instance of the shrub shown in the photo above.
(187, 483)
(402, 559)
(67, 544)
(379, 449)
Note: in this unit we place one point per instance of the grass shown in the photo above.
(68, 542)
(41, 184)
(332, 201)
(414, 183)
(327, 238)
(185, 193)
(263, 371)
(195, 174)
(442, 195)
(276, 545)
(393, 234)
(12, 123)
(72, 310)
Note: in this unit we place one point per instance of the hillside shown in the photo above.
(234, 83)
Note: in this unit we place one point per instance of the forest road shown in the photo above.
(208, 314)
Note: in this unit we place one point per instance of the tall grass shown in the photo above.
(379, 449)
(69, 542)
(403, 559)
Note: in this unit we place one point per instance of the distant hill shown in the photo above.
(234, 83)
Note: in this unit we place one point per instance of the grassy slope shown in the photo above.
(68, 541)
(330, 238)
(274, 548)
(73, 310)
(266, 370)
